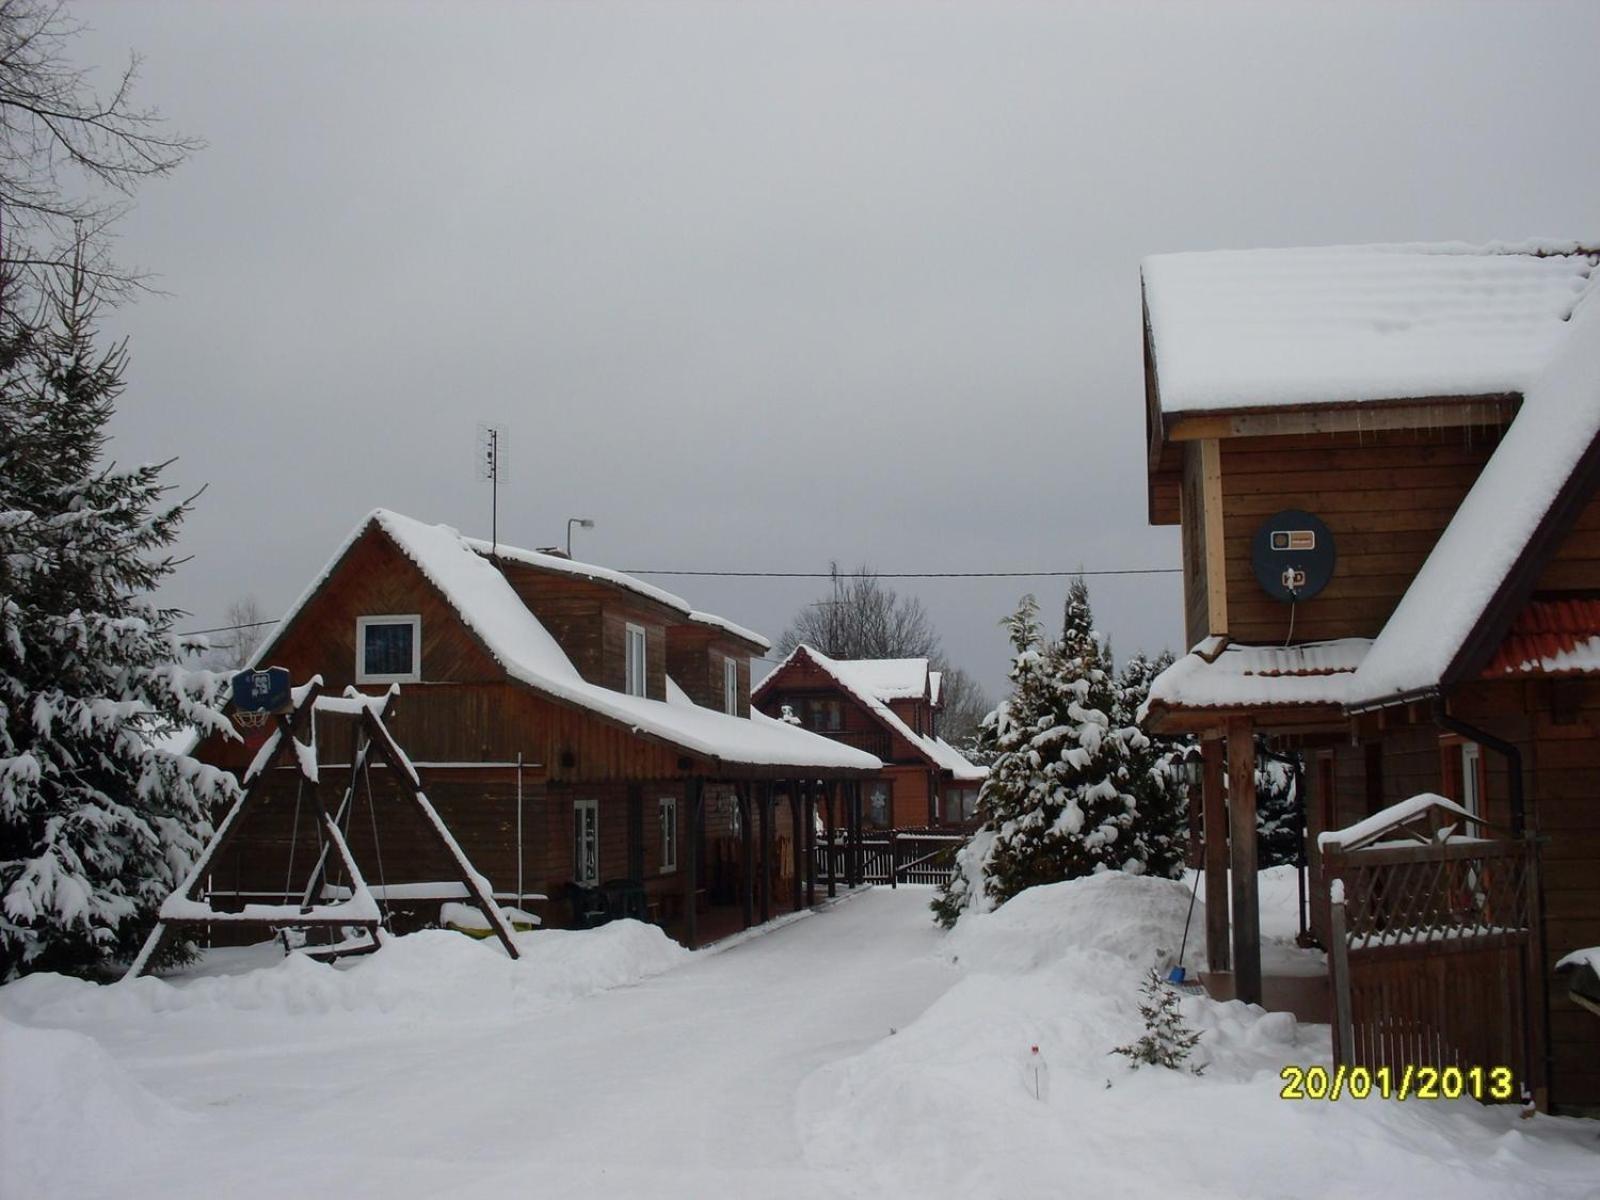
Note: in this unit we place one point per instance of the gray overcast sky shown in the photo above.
(757, 286)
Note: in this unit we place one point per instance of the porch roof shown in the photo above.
(1219, 676)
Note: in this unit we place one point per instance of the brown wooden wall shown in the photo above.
(695, 657)
(1575, 567)
(1196, 613)
(1386, 498)
(1561, 770)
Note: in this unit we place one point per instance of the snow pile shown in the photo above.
(946, 1107)
(423, 978)
(1133, 919)
(69, 1115)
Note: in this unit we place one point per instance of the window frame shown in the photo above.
(635, 634)
(585, 820)
(414, 620)
(667, 814)
(730, 686)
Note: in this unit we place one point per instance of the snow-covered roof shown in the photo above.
(1559, 419)
(1242, 329)
(560, 565)
(890, 678)
(1388, 820)
(861, 677)
(935, 687)
(489, 606)
(1220, 675)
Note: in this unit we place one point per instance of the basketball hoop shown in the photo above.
(251, 720)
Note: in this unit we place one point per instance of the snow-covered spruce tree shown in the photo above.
(1058, 801)
(1167, 1041)
(1161, 827)
(1278, 820)
(96, 823)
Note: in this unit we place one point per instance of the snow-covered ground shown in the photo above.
(857, 1052)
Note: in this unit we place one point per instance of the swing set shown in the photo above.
(352, 923)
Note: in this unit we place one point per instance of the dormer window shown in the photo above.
(389, 649)
(730, 686)
(633, 673)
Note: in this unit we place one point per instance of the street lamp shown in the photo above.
(581, 523)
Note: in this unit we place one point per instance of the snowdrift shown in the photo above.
(424, 978)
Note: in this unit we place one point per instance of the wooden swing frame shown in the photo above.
(184, 907)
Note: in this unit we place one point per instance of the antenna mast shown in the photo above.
(491, 446)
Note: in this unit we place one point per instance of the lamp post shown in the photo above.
(581, 523)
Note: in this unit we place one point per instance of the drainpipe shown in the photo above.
(1513, 757)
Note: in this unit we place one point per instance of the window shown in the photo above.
(730, 686)
(586, 842)
(880, 802)
(388, 649)
(633, 673)
(1472, 782)
(667, 809)
(825, 714)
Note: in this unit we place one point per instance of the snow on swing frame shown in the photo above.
(294, 709)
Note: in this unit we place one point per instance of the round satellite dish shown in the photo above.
(1292, 555)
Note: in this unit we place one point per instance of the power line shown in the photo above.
(822, 575)
(914, 574)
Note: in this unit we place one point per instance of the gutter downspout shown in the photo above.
(1518, 804)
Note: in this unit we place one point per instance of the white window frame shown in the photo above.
(585, 827)
(635, 678)
(730, 686)
(362, 623)
(667, 818)
(1472, 782)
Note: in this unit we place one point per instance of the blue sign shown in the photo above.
(262, 691)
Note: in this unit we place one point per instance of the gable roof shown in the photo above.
(491, 609)
(557, 564)
(1234, 330)
(1483, 569)
(862, 679)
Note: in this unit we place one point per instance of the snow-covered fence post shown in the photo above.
(1339, 963)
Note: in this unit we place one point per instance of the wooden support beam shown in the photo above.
(856, 873)
(798, 848)
(832, 807)
(810, 818)
(766, 851)
(747, 866)
(1242, 861)
(1211, 521)
(1219, 956)
(691, 864)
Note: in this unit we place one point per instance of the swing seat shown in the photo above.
(345, 947)
(465, 918)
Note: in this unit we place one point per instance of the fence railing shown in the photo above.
(1434, 953)
(893, 857)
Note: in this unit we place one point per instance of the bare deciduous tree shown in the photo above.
(70, 155)
(232, 650)
(964, 705)
(863, 618)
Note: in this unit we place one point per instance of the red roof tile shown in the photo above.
(1558, 636)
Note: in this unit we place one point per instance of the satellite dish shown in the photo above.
(1292, 555)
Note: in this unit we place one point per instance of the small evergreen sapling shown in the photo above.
(1167, 1041)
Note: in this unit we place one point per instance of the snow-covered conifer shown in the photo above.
(1167, 1041)
(96, 822)
(1161, 827)
(1058, 801)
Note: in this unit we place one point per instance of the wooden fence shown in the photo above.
(893, 857)
(1434, 958)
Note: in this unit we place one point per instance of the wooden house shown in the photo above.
(587, 738)
(1383, 461)
(889, 708)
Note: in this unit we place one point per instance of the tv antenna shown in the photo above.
(491, 461)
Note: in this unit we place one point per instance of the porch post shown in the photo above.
(1218, 954)
(766, 851)
(796, 807)
(747, 875)
(695, 792)
(810, 817)
(831, 806)
(855, 834)
(1242, 858)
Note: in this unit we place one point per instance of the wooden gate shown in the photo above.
(1434, 958)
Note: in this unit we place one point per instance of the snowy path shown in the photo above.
(684, 1084)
